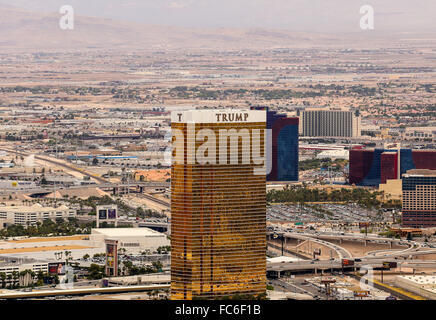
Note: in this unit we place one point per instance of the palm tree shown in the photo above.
(33, 275)
(15, 276)
(9, 277)
(21, 277)
(3, 279)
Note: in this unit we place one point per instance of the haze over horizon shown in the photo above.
(333, 16)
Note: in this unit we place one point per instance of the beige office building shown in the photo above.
(330, 122)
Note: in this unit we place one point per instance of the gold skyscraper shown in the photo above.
(218, 204)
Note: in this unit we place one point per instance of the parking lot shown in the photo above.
(323, 212)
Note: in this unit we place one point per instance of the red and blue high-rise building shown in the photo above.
(284, 146)
(372, 167)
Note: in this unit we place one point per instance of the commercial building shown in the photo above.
(133, 240)
(45, 248)
(329, 122)
(419, 199)
(334, 154)
(15, 185)
(218, 204)
(30, 215)
(284, 146)
(7, 165)
(64, 180)
(419, 133)
(371, 167)
(12, 265)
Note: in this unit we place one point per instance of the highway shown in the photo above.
(374, 259)
(145, 185)
(414, 248)
(298, 286)
(82, 291)
(103, 183)
(337, 264)
(58, 163)
(342, 253)
(156, 200)
(358, 237)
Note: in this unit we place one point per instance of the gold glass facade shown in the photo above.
(218, 222)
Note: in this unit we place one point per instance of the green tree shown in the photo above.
(3, 279)
(157, 265)
(95, 272)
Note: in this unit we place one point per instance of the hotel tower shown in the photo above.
(218, 204)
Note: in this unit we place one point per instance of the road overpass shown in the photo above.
(81, 291)
(374, 259)
(58, 163)
(317, 266)
(341, 252)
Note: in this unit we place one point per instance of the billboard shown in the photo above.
(111, 257)
(364, 225)
(347, 262)
(56, 268)
(102, 214)
(112, 214)
(110, 249)
(361, 293)
(389, 265)
(107, 213)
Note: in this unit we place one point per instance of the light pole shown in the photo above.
(331, 261)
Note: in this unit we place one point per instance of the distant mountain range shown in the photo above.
(331, 16)
(31, 31)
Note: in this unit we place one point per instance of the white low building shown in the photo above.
(133, 240)
(35, 267)
(412, 133)
(8, 267)
(30, 215)
(283, 259)
(15, 185)
(334, 154)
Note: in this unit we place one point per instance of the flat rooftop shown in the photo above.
(283, 259)
(424, 280)
(34, 208)
(49, 239)
(42, 249)
(127, 232)
(420, 173)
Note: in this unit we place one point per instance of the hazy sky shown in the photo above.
(297, 15)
